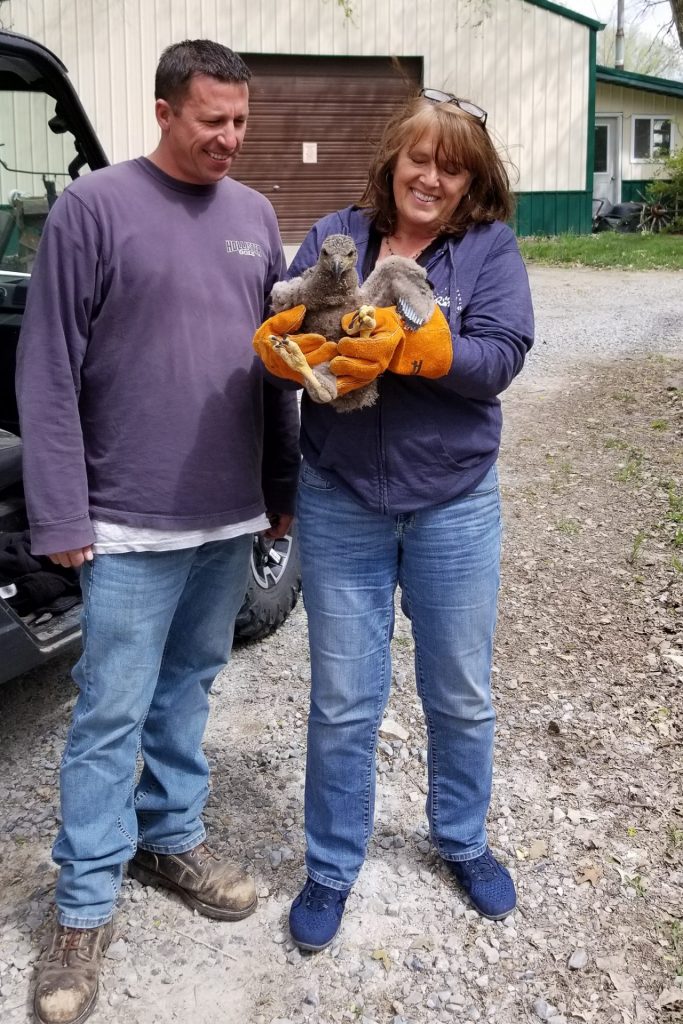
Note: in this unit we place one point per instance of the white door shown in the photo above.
(606, 166)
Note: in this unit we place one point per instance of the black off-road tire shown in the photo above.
(273, 588)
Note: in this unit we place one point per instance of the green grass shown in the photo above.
(674, 837)
(675, 510)
(568, 526)
(630, 470)
(615, 442)
(637, 544)
(607, 249)
(677, 943)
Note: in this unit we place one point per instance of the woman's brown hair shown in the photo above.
(462, 141)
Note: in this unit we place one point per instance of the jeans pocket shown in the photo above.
(487, 485)
(312, 478)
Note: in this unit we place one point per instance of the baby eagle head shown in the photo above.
(337, 255)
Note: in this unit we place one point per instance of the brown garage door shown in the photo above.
(313, 125)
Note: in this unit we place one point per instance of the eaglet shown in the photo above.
(330, 289)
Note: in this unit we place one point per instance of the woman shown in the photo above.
(406, 493)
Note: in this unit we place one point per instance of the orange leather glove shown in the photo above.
(426, 352)
(361, 360)
(315, 347)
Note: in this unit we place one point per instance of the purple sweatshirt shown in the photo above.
(427, 441)
(141, 401)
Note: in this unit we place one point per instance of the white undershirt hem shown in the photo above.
(117, 539)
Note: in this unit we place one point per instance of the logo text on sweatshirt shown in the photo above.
(243, 248)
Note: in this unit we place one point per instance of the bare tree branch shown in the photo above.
(643, 53)
(675, 27)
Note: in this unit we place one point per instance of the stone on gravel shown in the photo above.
(543, 1009)
(390, 730)
(117, 950)
(578, 959)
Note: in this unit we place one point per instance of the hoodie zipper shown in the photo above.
(381, 461)
(383, 503)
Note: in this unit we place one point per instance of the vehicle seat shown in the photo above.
(7, 226)
(10, 459)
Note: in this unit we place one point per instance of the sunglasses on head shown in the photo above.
(437, 96)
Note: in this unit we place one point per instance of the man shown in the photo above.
(144, 418)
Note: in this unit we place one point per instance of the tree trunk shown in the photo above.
(677, 15)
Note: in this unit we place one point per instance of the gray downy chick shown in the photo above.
(330, 289)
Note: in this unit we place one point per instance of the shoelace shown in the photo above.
(481, 869)
(317, 897)
(203, 852)
(69, 941)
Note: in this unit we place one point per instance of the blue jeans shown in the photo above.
(157, 627)
(447, 562)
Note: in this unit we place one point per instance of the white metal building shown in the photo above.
(324, 84)
(637, 118)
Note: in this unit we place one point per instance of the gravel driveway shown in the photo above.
(587, 808)
(583, 313)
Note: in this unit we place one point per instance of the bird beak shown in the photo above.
(338, 267)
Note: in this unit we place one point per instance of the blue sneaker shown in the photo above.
(488, 885)
(316, 914)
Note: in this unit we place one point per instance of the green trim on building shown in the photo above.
(632, 80)
(554, 213)
(590, 131)
(564, 12)
(635, 191)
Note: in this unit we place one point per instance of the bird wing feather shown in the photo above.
(286, 294)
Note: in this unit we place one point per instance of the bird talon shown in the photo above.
(363, 321)
(321, 391)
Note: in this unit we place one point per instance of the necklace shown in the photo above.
(416, 256)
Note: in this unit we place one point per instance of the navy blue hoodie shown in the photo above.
(428, 441)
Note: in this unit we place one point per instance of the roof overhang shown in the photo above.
(645, 83)
(566, 12)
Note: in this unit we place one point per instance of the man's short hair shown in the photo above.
(181, 62)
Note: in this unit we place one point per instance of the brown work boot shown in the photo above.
(217, 888)
(68, 976)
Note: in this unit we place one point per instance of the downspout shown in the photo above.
(619, 45)
(590, 138)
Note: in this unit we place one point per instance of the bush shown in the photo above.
(669, 191)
